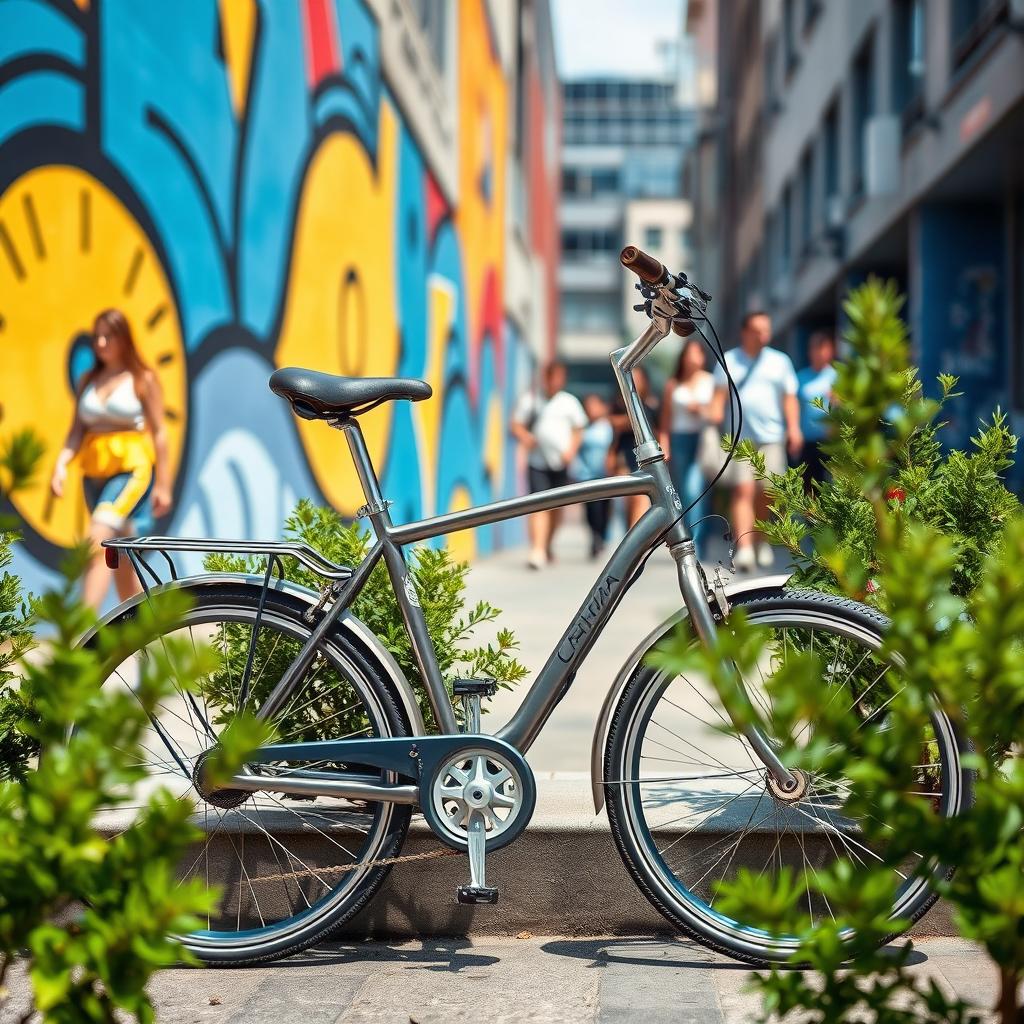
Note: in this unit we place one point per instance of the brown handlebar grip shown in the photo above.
(647, 268)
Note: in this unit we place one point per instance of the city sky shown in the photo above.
(612, 37)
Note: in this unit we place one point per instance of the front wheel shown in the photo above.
(690, 804)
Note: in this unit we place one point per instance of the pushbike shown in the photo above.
(301, 839)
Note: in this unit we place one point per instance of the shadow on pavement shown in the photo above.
(655, 952)
(641, 951)
(431, 954)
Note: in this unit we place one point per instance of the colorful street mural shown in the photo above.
(242, 182)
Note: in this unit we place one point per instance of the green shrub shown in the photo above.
(440, 583)
(54, 855)
(18, 458)
(15, 642)
(91, 913)
(957, 619)
(958, 494)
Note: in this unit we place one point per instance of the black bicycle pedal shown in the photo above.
(477, 894)
(474, 687)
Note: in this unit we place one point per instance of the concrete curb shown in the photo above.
(563, 875)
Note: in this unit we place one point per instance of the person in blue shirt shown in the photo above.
(813, 382)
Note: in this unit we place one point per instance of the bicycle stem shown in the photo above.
(695, 595)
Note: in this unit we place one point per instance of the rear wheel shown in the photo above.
(690, 804)
(291, 870)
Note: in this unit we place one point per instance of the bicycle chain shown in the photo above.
(342, 869)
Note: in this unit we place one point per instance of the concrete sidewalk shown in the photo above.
(543, 980)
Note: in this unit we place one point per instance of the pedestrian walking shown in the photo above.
(621, 457)
(767, 385)
(816, 382)
(590, 465)
(684, 422)
(118, 439)
(549, 426)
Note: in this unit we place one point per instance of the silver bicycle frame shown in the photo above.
(663, 522)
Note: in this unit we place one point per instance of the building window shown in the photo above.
(433, 20)
(771, 98)
(806, 201)
(594, 181)
(771, 257)
(908, 59)
(972, 21)
(786, 230)
(863, 109)
(789, 35)
(652, 238)
(604, 180)
(830, 148)
(579, 244)
(589, 311)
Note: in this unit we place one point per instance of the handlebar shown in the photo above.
(672, 303)
(655, 274)
(647, 268)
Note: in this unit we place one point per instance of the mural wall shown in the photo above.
(243, 184)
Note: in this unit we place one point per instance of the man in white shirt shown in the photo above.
(550, 427)
(771, 419)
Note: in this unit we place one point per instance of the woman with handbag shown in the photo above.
(685, 430)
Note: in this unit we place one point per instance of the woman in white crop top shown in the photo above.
(683, 419)
(119, 443)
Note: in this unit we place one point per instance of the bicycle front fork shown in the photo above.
(698, 600)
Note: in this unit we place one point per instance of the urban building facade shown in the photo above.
(624, 142)
(367, 187)
(703, 179)
(882, 137)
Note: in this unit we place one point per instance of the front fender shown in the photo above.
(354, 630)
(763, 584)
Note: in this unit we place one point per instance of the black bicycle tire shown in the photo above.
(795, 600)
(248, 596)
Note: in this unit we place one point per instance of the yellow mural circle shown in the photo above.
(68, 249)
(339, 314)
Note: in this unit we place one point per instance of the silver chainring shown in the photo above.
(477, 780)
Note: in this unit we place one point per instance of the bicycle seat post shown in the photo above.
(376, 508)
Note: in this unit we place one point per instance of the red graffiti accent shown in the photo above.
(322, 58)
(437, 206)
(492, 323)
(542, 181)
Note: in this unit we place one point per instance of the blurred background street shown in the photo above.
(440, 190)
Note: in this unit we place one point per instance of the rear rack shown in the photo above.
(275, 551)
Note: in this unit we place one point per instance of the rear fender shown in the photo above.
(764, 585)
(354, 630)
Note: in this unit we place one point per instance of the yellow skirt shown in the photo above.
(121, 451)
(117, 472)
